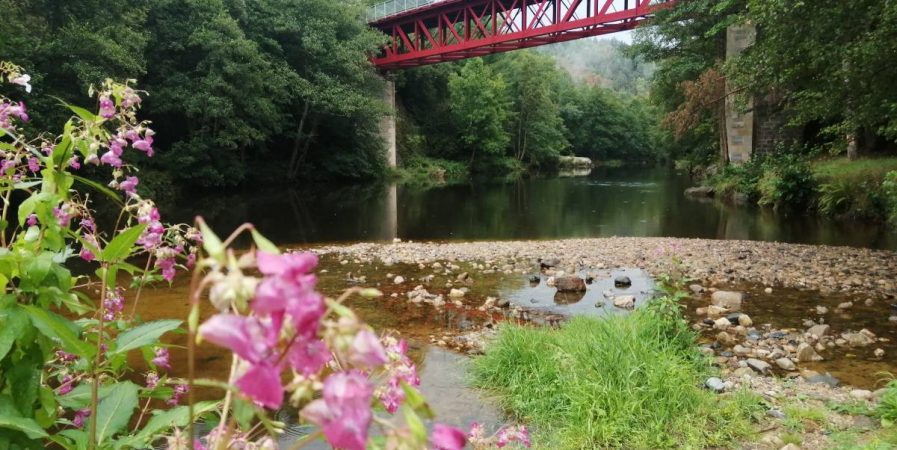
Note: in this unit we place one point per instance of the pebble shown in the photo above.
(821, 310)
(456, 293)
(625, 301)
(806, 353)
(758, 366)
(879, 353)
(768, 290)
(398, 280)
(715, 384)
(785, 364)
(845, 305)
(861, 394)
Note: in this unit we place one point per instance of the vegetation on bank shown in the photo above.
(834, 187)
(632, 381)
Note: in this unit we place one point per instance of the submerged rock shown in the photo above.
(727, 299)
(625, 301)
(622, 281)
(824, 379)
(570, 284)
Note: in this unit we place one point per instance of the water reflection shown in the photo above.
(628, 201)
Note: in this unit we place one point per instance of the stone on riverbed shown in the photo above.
(699, 191)
(819, 330)
(714, 311)
(727, 299)
(785, 364)
(860, 339)
(570, 284)
(715, 384)
(625, 301)
(806, 353)
(697, 288)
(758, 366)
(622, 281)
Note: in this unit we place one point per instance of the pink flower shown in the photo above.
(167, 266)
(145, 145)
(152, 380)
(129, 186)
(161, 359)
(32, 220)
(252, 340)
(33, 164)
(107, 107)
(367, 351)
(447, 438)
(24, 81)
(113, 305)
(62, 217)
(87, 255)
(513, 434)
(309, 358)
(80, 417)
(74, 163)
(392, 396)
(288, 288)
(344, 414)
(66, 385)
(179, 391)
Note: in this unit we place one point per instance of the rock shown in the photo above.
(819, 330)
(625, 301)
(821, 310)
(715, 384)
(785, 364)
(845, 305)
(768, 290)
(861, 394)
(745, 320)
(721, 324)
(456, 293)
(548, 263)
(725, 339)
(714, 311)
(727, 299)
(503, 303)
(570, 284)
(823, 379)
(879, 353)
(740, 350)
(535, 279)
(551, 282)
(857, 339)
(742, 372)
(398, 280)
(701, 311)
(759, 366)
(464, 277)
(622, 281)
(806, 353)
(791, 447)
(699, 191)
(696, 288)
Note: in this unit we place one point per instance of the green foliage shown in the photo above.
(787, 181)
(886, 410)
(479, 110)
(629, 381)
(853, 188)
(889, 185)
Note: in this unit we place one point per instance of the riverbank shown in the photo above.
(460, 296)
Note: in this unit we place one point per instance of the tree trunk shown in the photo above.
(853, 151)
(312, 132)
(297, 141)
(723, 137)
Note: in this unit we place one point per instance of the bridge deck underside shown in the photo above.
(459, 29)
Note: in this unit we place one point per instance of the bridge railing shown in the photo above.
(394, 7)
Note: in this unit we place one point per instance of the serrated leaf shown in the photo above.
(120, 247)
(115, 410)
(57, 327)
(146, 334)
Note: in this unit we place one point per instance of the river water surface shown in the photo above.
(628, 201)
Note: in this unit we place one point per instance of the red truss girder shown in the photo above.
(459, 29)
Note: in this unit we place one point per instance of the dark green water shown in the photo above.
(629, 201)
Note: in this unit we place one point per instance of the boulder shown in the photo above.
(715, 384)
(570, 284)
(456, 293)
(857, 339)
(725, 339)
(727, 299)
(721, 324)
(745, 321)
(806, 353)
(625, 301)
(861, 394)
(819, 330)
(785, 364)
(622, 281)
(696, 288)
(700, 191)
(823, 379)
(759, 366)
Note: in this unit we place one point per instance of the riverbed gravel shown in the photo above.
(872, 273)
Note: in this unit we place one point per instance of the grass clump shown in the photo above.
(621, 382)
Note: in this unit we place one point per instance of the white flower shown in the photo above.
(23, 80)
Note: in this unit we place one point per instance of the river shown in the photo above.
(627, 201)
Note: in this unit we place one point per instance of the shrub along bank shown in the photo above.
(630, 381)
(865, 188)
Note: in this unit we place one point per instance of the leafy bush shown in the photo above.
(889, 186)
(787, 180)
(621, 382)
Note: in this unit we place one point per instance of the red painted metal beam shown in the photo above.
(457, 29)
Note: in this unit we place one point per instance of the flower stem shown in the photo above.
(95, 386)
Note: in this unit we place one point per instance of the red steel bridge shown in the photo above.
(425, 32)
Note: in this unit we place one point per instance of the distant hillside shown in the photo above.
(602, 62)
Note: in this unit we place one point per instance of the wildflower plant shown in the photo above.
(68, 341)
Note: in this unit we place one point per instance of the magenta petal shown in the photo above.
(263, 385)
(309, 358)
(367, 351)
(269, 263)
(243, 335)
(447, 438)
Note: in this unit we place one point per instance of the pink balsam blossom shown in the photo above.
(344, 414)
(447, 438)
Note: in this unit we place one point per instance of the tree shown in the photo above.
(479, 109)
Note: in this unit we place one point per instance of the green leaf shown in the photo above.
(57, 327)
(115, 410)
(146, 334)
(164, 421)
(120, 247)
(416, 401)
(84, 114)
(26, 208)
(12, 325)
(27, 426)
(100, 188)
(80, 396)
(214, 247)
(415, 425)
(263, 243)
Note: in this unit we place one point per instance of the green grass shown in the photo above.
(861, 169)
(621, 382)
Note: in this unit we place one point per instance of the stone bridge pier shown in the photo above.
(388, 121)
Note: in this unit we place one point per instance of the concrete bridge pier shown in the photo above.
(388, 121)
